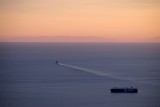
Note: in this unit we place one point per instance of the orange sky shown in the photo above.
(80, 20)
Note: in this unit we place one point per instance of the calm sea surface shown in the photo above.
(29, 76)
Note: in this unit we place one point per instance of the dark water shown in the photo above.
(29, 76)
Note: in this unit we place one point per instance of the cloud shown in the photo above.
(156, 38)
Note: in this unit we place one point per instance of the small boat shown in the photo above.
(124, 90)
(57, 62)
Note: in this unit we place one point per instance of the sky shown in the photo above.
(80, 20)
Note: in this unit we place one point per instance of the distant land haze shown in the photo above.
(73, 39)
(80, 21)
(58, 38)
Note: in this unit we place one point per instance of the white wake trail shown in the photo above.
(103, 74)
(90, 71)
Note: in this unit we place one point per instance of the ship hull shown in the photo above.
(124, 90)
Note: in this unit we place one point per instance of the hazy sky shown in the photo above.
(79, 20)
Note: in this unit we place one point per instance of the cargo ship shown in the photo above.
(124, 90)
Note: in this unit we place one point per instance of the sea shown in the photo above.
(30, 77)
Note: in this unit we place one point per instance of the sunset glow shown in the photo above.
(80, 20)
